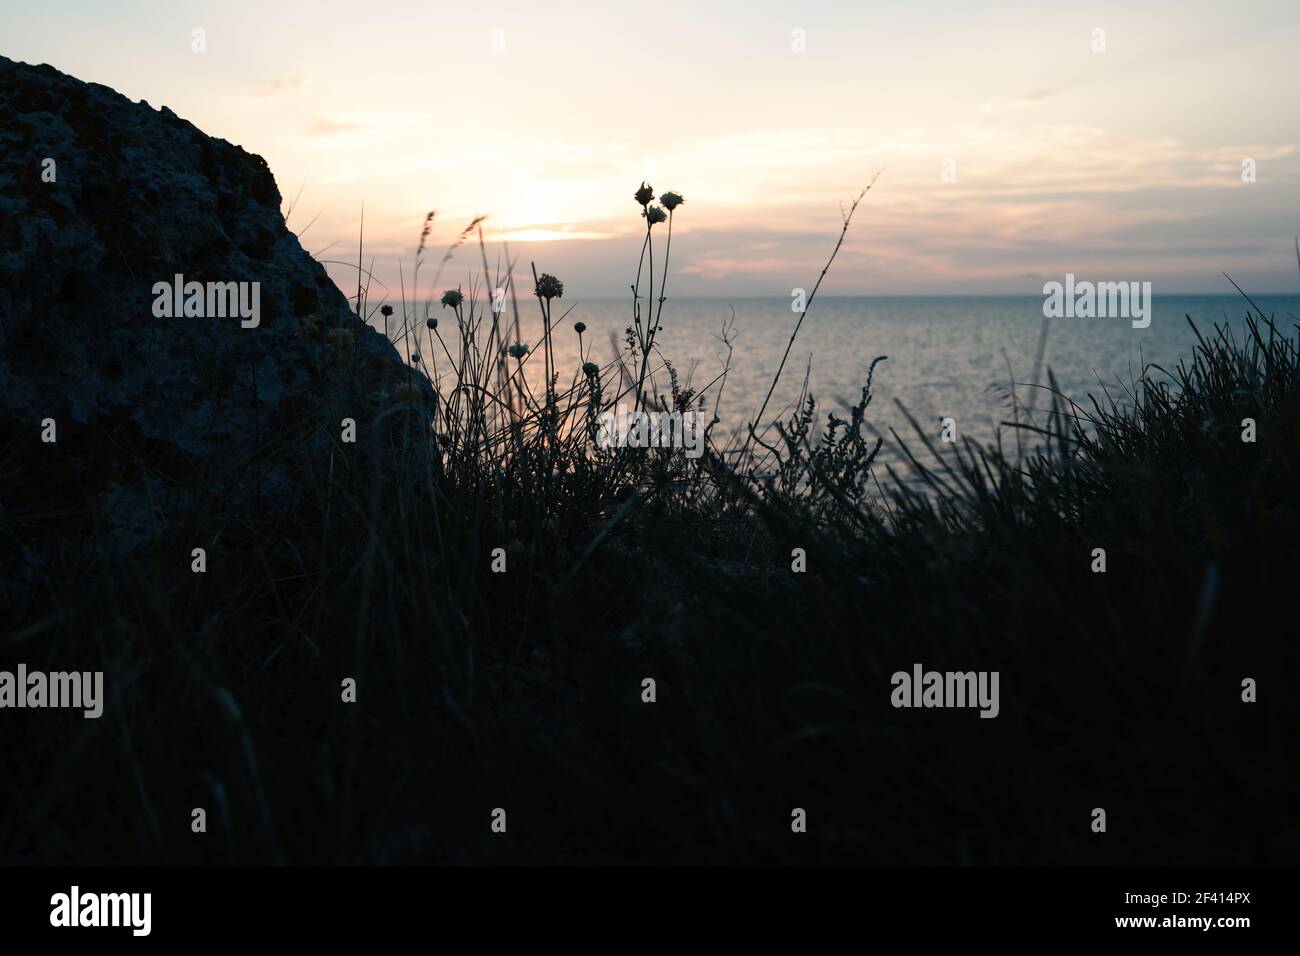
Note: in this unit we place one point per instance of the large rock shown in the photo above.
(100, 200)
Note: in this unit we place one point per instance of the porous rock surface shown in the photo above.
(101, 198)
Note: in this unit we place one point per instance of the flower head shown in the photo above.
(549, 287)
(580, 327)
(644, 194)
(591, 368)
(431, 322)
(518, 350)
(671, 200)
(386, 310)
(654, 214)
(453, 298)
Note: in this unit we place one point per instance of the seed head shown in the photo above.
(549, 287)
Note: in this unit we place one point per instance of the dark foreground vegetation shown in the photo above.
(523, 690)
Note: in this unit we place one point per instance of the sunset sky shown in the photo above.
(1123, 164)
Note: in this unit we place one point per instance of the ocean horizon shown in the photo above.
(948, 356)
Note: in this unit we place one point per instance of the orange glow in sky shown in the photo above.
(1012, 147)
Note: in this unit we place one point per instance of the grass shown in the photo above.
(523, 690)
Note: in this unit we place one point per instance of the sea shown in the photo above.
(946, 357)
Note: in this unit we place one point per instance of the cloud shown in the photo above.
(1001, 104)
(544, 234)
(1030, 198)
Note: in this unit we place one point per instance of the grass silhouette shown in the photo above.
(522, 690)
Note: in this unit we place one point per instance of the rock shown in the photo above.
(103, 203)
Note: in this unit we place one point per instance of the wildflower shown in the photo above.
(580, 327)
(341, 339)
(549, 287)
(654, 214)
(591, 368)
(518, 350)
(453, 298)
(415, 358)
(644, 194)
(386, 310)
(671, 200)
(431, 323)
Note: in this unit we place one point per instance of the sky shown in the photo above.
(1015, 142)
